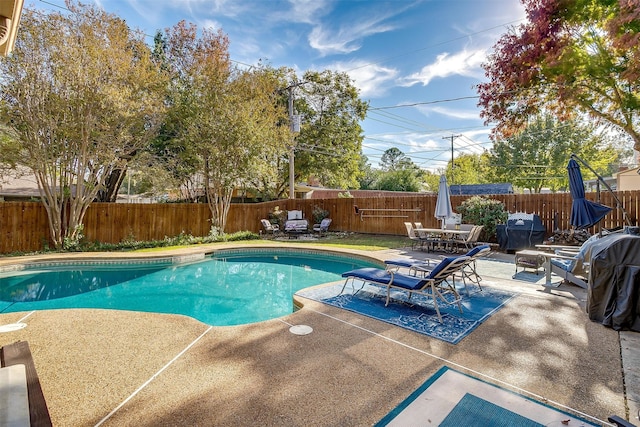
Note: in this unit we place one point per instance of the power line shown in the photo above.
(456, 129)
(404, 144)
(424, 103)
(378, 110)
(401, 119)
(389, 115)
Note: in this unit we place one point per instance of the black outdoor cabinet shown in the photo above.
(521, 231)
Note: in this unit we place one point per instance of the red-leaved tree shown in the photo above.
(571, 57)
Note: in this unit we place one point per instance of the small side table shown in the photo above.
(529, 259)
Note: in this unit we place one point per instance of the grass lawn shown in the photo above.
(370, 242)
(366, 242)
(373, 242)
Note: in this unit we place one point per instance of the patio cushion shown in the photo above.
(385, 277)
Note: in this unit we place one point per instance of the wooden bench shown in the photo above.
(296, 227)
(20, 353)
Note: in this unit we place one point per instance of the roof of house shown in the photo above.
(330, 193)
(478, 189)
(24, 187)
(630, 171)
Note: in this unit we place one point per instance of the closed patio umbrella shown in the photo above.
(443, 203)
(584, 213)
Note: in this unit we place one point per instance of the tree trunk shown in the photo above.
(111, 186)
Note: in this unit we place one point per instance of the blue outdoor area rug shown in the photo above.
(418, 314)
(463, 400)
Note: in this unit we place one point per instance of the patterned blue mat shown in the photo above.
(419, 314)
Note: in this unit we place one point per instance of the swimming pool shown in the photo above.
(230, 287)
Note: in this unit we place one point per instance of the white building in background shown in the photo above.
(628, 180)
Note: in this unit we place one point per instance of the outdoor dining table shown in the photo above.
(446, 236)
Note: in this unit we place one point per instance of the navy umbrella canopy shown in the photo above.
(584, 213)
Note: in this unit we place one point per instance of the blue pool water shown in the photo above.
(223, 290)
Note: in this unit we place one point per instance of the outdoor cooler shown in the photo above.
(522, 230)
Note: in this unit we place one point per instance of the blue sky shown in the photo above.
(422, 53)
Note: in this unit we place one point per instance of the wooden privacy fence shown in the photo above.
(24, 226)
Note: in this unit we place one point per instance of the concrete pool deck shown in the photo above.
(118, 368)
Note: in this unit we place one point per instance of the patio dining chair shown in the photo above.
(413, 236)
(472, 238)
(427, 239)
(322, 226)
(269, 228)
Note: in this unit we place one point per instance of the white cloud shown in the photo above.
(427, 110)
(210, 24)
(348, 35)
(226, 8)
(372, 80)
(482, 133)
(306, 11)
(464, 63)
(344, 40)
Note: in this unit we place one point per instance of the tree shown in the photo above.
(432, 180)
(170, 155)
(400, 180)
(537, 157)
(572, 57)
(270, 178)
(81, 93)
(368, 175)
(466, 169)
(230, 117)
(251, 134)
(330, 140)
(398, 173)
(9, 151)
(394, 159)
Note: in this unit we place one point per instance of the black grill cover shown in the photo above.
(521, 231)
(613, 297)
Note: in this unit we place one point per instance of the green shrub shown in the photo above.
(487, 212)
(71, 244)
(180, 240)
(242, 235)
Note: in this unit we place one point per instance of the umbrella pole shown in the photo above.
(598, 200)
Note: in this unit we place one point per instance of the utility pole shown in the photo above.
(294, 125)
(292, 149)
(452, 137)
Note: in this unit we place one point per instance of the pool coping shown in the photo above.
(184, 255)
